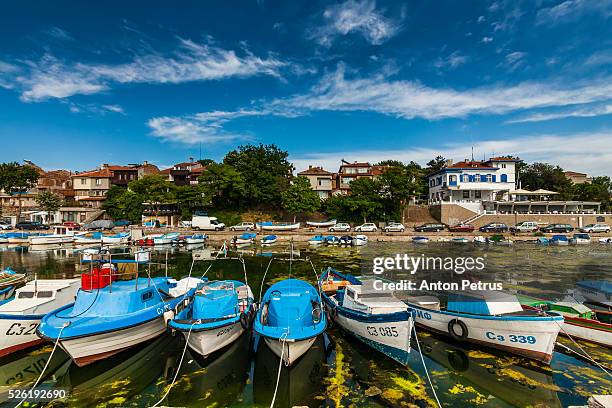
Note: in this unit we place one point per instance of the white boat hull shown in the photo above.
(290, 227)
(530, 338)
(115, 240)
(18, 334)
(390, 338)
(206, 342)
(359, 242)
(321, 224)
(191, 241)
(578, 241)
(18, 241)
(292, 350)
(588, 334)
(87, 349)
(269, 242)
(162, 241)
(87, 241)
(240, 241)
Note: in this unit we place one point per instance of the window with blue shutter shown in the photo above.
(494, 178)
(504, 178)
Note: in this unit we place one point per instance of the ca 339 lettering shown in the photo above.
(512, 338)
(18, 329)
(383, 331)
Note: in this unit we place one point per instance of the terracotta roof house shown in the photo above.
(321, 181)
(183, 174)
(577, 178)
(352, 171)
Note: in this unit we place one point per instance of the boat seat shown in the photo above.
(427, 302)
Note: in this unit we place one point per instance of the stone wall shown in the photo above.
(576, 220)
(450, 214)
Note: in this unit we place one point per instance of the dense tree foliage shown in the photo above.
(300, 198)
(17, 179)
(48, 201)
(548, 177)
(223, 184)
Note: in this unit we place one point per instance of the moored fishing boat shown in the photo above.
(317, 240)
(290, 318)
(195, 239)
(605, 240)
(166, 239)
(147, 240)
(346, 240)
(490, 318)
(120, 238)
(375, 317)
(420, 240)
(332, 240)
(88, 238)
(542, 241)
(479, 239)
(6, 293)
(111, 315)
(269, 240)
(3, 238)
(61, 235)
(580, 239)
(599, 292)
(217, 315)
(323, 224)
(579, 321)
(359, 240)
(460, 240)
(244, 239)
(559, 240)
(21, 315)
(9, 277)
(269, 226)
(18, 238)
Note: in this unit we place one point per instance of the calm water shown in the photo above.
(337, 371)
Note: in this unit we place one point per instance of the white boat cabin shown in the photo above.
(366, 299)
(487, 303)
(64, 230)
(42, 296)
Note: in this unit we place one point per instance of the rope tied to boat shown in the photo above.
(283, 340)
(178, 368)
(416, 339)
(59, 335)
(264, 278)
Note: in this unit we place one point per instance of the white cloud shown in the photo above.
(52, 78)
(354, 16)
(557, 149)
(409, 99)
(486, 40)
(451, 61)
(114, 108)
(571, 10)
(585, 112)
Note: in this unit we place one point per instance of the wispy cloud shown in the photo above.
(584, 112)
(92, 108)
(50, 77)
(58, 33)
(551, 148)
(354, 16)
(571, 10)
(451, 61)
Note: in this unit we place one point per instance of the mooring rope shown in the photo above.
(283, 339)
(264, 279)
(59, 335)
(178, 369)
(433, 390)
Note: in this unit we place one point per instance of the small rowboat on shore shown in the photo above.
(269, 240)
(317, 240)
(195, 239)
(420, 240)
(359, 240)
(9, 277)
(279, 227)
(323, 224)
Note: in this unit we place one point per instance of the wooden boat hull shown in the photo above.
(289, 227)
(115, 240)
(18, 240)
(292, 349)
(206, 342)
(533, 338)
(589, 330)
(12, 280)
(321, 224)
(46, 240)
(90, 348)
(18, 333)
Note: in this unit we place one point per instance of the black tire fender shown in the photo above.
(451, 330)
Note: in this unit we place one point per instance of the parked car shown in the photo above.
(5, 225)
(72, 224)
(462, 228)
(430, 227)
(590, 228)
(243, 226)
(31, 225)
(494, 227)
(557, 228)
(367, 227)
(394, 227)
(525, 226)
(340, 227)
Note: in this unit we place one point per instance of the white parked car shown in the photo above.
(595, 228)
(341, 226)
(5, 225)
(394, 227)
(243, 226)
(525, 226)
(367, 227)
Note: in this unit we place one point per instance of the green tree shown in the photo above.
(223, 185)
(599, 189)
(265, 170)
(548, 177)
(49, 202)
(16, 179)
(300, 198)
(398, 184)
(154, 189)
(121, 203)
(190, 198)
(436, 164)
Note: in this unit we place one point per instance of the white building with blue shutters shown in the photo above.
(474, 181)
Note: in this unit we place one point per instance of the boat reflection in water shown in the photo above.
(20, 370)
(299, 385)
(516, 384)
(218, 379)
(120, 378)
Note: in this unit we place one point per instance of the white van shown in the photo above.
(525, 226)
(204, 222)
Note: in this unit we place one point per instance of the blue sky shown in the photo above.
(122, 82)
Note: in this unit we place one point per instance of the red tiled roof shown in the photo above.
(92, 199)
(574, 173)
(121, 168)
(103, 173)
(507, 159)
(315, 171)
(356, 164)
(470, 165)
(165, 171)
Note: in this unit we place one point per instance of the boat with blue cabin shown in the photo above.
(269, 240)
(420, 240)
(290, 318)
(218, 313)
(559, 240)
(195, 239)
(490, 318)
(120, 238)
(332, 240)
(110, 315)
(375, 317)
(317, 240)
(580, 239)
(166, 239)
(244, 239)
